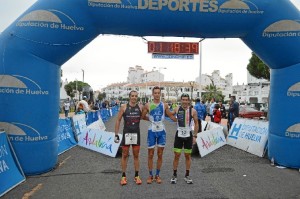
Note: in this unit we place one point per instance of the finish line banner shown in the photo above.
(11, 173)
(65, 136)
(249, 135)
(210, 140)
(100, 141)
(79, 124)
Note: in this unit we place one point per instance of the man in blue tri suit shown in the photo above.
(156, 131)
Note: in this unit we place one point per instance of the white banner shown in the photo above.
(249, 135)
(210, 140)
(100, 141)
(97, 125)
(79, 124)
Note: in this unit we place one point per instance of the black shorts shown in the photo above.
(138, 140)
(186, 143)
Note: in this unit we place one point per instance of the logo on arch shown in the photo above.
(49, 19)
(239, 7)
(283, 28)
(294, 91)
(293, 131)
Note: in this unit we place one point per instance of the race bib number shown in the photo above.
(157, 126)
(130, 138)
(183, 132)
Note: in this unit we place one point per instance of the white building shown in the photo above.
(223, 84)
(62, 92)
(138, 75)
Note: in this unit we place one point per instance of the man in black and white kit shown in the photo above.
(131, 114)
(184, 139)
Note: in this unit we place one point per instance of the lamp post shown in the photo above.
(192, 83)
(82, 75)
(200, 70)
(159, 74)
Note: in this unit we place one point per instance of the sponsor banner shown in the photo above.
(100, 141)
(65, 136)
(210, 140)
(169, 56)
(11, 173)
(249, 135)
(79, 124)
(213, 6)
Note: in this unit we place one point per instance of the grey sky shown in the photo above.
(107, 58)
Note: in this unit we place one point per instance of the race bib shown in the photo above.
(157, 126)
(183, 132)
(130, 138)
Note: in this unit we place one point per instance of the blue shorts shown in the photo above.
(156, 138)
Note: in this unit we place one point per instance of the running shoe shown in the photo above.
(158, 180)
(188, 180)
(123, 181)
(137, 180)
(150, 180)
(173, 180)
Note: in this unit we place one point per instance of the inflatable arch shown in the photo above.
(33, 48)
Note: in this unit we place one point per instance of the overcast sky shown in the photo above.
(106, 60)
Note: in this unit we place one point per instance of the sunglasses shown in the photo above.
(185, 95)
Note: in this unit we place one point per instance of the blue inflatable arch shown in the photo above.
(33, 48)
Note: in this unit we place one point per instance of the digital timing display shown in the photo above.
(173, 47)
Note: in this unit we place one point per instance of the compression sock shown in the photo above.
(157, 172)
(150, 173)
(175, 173)
(187, 173)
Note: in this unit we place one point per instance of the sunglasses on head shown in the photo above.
(185, 95)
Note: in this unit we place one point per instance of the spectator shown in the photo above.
(211, 109)
(201, 112)
(222, 109)
(233, 110)
(67, 107)
(82, 106)
(217, 114)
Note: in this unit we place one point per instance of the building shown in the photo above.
(137, 75)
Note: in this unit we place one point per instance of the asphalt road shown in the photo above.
(225, 173)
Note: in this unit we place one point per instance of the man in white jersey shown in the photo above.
(156, 131)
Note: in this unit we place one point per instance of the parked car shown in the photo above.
(248, 112)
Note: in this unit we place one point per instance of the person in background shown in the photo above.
(211, 109)
(67, 107)
(82, 106)
(217, 114)
(222, 109)
(233, 110)
(201, 112)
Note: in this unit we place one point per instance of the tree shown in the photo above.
(212, 91)
(257, 68)
(101, 96)
(70, 88)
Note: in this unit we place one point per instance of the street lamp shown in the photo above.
(192, 83)
(159, 74)
(82, 75)
(200, 70)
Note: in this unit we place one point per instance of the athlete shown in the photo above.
(156, 111)
(131, 113)
(184, 138)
